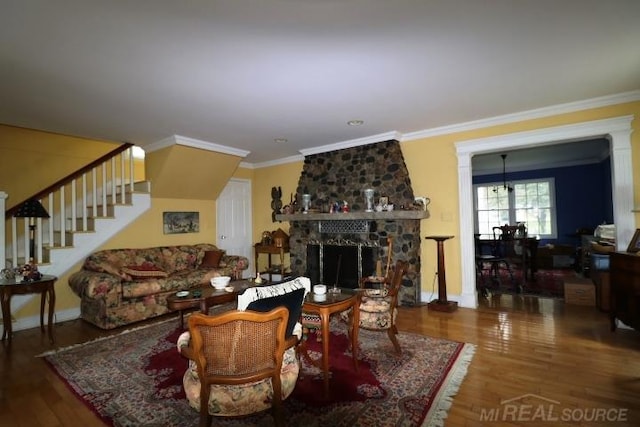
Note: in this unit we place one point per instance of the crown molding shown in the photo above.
(282, 161)
(537, 113)
(352, 143)
(195, 143)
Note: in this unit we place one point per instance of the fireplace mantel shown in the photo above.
(350, 216)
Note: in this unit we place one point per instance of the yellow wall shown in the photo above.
(30, 160)
(286, 177)
(189, 173)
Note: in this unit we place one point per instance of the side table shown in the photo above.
(44, 286)
(270, 250)
(441, 304)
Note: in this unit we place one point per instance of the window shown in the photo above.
(531, 202)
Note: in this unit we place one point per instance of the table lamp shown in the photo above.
(32, 209)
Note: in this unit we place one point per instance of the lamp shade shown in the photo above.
(31, 209)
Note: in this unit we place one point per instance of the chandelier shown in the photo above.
(505, 186)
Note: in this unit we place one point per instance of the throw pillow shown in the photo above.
(211, 259)
(144, 271)
(292, 300)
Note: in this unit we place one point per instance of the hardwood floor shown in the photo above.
(563, 357)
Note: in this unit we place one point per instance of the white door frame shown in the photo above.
(616, 130)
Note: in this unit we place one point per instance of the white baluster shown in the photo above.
(63, 215)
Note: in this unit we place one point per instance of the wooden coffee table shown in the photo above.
(207, 296)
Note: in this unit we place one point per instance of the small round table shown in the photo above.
(43, 286)
(441, 304)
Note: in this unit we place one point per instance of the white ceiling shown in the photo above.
(241, 73)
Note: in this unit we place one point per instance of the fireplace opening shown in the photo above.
(343, 265)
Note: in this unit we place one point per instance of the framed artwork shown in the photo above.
(634, 244)
(181, 222)
(384, 201)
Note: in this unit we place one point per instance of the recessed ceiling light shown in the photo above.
(355, 122)
(280, 140)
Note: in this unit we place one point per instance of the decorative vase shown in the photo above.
(368, 197)
(306, 203)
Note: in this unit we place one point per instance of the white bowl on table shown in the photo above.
(220, 282)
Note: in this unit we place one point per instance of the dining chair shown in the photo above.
(491, 263)
(512, 243)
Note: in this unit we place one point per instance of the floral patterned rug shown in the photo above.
(546, 283)
(135, 379)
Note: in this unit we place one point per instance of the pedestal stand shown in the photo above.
(441, 304)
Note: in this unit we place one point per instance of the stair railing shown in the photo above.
(72, 202)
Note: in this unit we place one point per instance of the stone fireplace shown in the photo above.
(356, 240)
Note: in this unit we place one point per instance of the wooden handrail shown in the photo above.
(125, 146)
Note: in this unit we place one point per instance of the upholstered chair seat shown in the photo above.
(375, 313)
(378, 308)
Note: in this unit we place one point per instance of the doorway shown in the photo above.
(616, 130)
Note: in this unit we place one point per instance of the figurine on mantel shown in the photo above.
(339, 207)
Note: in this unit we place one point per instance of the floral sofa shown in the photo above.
(121, 286)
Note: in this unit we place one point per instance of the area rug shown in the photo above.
(135, 379)
(547, 283)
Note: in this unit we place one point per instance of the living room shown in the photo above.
(438, 158)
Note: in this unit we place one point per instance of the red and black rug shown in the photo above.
(545, 283)
(135, 379)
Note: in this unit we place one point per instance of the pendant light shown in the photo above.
(505, 186)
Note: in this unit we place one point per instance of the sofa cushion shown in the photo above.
(211, 259)
(144, 271)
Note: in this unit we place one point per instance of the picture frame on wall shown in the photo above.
(634, 244)
(181, 222)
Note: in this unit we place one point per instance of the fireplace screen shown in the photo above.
(343, 265)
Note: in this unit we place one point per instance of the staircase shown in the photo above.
(86, 209)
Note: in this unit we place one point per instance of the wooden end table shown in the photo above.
(43, 286)
(334, 303)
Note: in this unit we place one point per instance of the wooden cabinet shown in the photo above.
(625, 289)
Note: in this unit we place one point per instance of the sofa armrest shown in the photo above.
(94, 285)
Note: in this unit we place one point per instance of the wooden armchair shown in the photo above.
(378, 307)
(234, 349)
